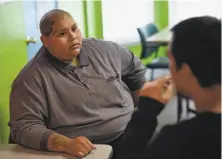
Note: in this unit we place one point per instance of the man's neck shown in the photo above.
(217, 107)
(73, 62)
(208, 99)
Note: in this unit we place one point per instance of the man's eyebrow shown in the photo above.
(74, 25)
(63, 29)
(55, 31)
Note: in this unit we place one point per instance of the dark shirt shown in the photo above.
(197, 138)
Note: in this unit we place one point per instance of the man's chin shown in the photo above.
(75, 52)
(182, 93)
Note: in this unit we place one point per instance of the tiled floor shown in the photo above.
(169, 114)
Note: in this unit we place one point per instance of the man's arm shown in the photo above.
(79, 146)
(57, 142)
(140, 129)
(28, 114)
(133, 72)
(135, 96)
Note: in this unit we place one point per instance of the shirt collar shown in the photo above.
(65, 66)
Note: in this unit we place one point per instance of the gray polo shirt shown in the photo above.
(92, 99)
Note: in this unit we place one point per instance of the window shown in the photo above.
(183, 9)
(122, 17)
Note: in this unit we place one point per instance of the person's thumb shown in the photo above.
(168, 93)
(163, 80)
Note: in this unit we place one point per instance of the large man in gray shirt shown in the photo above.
(74, 91)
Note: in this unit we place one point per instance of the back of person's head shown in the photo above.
(197, 43)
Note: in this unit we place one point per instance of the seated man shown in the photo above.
(195, 64)
(74, 91)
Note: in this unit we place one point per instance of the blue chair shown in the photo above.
(151, 48)
(180, 103)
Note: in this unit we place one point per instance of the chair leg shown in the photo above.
(152, 74)
(187, 106)
(189, 110)
(179, 107)
(156, 54)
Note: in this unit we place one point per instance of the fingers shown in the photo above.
(85, 147)
(84, 150)
(168, 93)
(164, 81)
(82, 153)
(90, 144)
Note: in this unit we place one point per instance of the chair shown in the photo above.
(180, 99)
(148, 49)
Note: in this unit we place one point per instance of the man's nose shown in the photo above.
(73, 35)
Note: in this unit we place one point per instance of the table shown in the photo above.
(13, 151)
(161, 38)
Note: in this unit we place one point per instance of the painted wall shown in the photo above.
(161, 20)
(161, 16)
(76, 10)
(94, 19)
(13, 56)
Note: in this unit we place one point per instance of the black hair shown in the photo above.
(197, 42)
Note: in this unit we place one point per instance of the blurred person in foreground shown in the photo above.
(195, 64)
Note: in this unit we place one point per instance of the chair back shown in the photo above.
(144, 33)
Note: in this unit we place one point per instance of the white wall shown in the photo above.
(75, 8)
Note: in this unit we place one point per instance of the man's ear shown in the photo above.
(44, 40)
(186, 70)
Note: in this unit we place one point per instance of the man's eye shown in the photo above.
(74, 29)
(62, 34)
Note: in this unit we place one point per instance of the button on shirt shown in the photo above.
(91, 99)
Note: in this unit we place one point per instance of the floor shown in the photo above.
(169, 114)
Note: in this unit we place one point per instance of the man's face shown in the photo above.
(181, 76)
(65, 41)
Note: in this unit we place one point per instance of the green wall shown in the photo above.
(12, 56)
(161, 13)
(94, 19)
(161, 19)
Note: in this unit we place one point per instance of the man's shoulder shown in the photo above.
(183, 126)
(97, 41)
(190, 136)
(200, 120)
(99, 44)
(31, 70)
(193, 127)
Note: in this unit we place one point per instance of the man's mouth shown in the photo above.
(75, 46)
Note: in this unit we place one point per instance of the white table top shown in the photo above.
(162, 37)
(13, 151)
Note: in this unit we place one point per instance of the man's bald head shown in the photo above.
(49, 19)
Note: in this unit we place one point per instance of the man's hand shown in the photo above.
(160, 89)
(79, 146)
